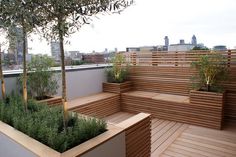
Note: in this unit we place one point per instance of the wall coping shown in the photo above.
(40, 149)
(13, 73)
(133, 120)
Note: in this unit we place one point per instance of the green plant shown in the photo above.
(41, 80)
(45, 124)
(119, 70)
(79, 62)
(212, 70)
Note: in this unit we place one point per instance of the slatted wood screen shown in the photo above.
(170, 72)
(170, 80)
(174, 58)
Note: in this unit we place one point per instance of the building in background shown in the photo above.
(75, 55)
(182, 46)
(166, 41)
(130, 49)
(55, 50)
(220, 48)
(194, 40)
(16, 44)
(150, 48)
(94, 58)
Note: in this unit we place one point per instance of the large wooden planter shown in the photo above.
(117, 87)
(212, 106)
(52, 101)
(15, 143)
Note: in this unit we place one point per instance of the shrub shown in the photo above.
(78, 62)
(41, 80)
(119, 70)
(212, 71)
(46, 124)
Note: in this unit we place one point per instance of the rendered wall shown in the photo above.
(115, 147)
(9, 148)
(80, 82)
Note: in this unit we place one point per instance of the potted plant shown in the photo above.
(117, 76)
(208, 90)
(42, 83)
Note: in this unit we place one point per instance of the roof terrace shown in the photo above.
(156, 108)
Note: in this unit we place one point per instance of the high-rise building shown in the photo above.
(194, 40)
(75, 55)
(16, 44)
(181, 41)
(166, 41)
(55, 50)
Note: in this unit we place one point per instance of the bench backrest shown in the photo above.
(171, 80)
(177, 80)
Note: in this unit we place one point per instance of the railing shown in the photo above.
(157, 58)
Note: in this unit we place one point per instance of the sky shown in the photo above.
(147, 22)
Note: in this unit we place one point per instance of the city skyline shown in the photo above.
(146, 24)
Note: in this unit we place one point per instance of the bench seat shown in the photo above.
(98, 105)
(171, 107)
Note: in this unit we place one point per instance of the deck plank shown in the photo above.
(200, 141)
(173, 139)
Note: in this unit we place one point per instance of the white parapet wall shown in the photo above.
(80, 80)
(10, 148)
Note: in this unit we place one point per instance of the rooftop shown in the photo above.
(174, 120)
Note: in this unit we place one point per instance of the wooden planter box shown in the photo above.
(211, 105)
(117, 87)
(52, 101)
(107, 144)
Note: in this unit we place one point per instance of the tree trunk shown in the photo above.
(2, 78)
(63, 72)
(24, 68)
(208, 87)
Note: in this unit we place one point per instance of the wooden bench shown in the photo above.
(98, 105)
(53, 101)
(171, 107)
(137, 128)
(164, 92)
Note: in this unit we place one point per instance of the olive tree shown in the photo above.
(64, 17)
(1, 74)
(25, 15)
(4, 24)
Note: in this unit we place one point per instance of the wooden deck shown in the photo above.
(173, 139)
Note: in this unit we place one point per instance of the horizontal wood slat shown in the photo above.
(230, 107)
(54, 101)
(177, 81)
(199, 141)
(173, 109)
(214, 100)
(98, 105)
(117, 87)
(183, 59)
(161, 79)
(138, 135)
